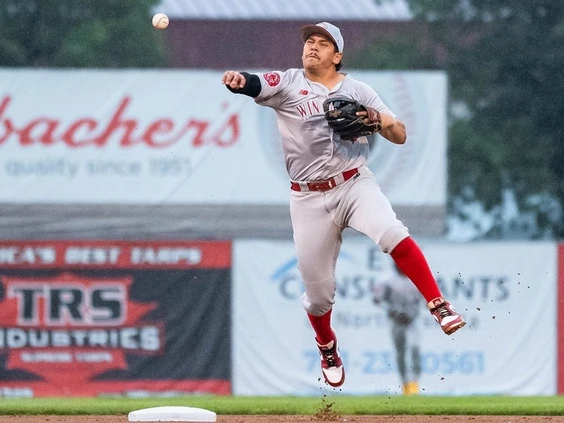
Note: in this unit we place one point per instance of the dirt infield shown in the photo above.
(296, 419)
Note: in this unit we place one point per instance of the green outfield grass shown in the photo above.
(341, 405)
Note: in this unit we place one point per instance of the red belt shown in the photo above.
(325, 185)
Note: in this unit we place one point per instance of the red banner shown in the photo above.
(117, 254)
(91, 318)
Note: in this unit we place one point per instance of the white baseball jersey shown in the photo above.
(312, 151)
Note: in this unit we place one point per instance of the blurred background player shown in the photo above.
(403, 303)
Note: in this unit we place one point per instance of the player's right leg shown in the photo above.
(331, 364)
(318, 240)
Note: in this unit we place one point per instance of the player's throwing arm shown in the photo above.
(234, 79)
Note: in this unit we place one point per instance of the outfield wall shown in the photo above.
(135, 318)
(111, 179)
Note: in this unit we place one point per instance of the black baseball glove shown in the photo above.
(341, 116)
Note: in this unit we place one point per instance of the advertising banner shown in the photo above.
(505, 291)
(80, 318)
(180, 137)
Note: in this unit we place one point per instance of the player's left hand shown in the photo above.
(369, 116)
(350, 119)
(364, 116)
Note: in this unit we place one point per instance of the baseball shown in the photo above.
(160, 21)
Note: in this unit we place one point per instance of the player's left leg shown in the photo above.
(400, 343)
(413, 356)
(370, 212)
(410, 259)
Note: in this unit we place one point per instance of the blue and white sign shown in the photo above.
(506, 291)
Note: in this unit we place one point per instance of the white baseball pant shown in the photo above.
(318, 220)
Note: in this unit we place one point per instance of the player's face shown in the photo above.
(319, 53)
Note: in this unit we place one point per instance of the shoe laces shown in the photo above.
(329, 355)
(443, 311)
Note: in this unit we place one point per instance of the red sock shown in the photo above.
(411, 261)
(322, 327)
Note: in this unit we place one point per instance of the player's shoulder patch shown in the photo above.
(272, 78)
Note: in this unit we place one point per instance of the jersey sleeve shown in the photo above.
(370, 97)
(272, 84)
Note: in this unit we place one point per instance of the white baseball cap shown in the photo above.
(326, 29)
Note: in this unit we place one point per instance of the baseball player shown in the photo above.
(331, 186)
(402, 301)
